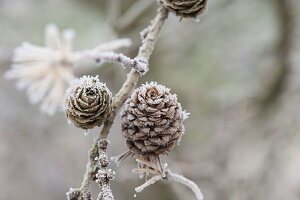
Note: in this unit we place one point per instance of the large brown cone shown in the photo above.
(88, 102)
(186, 8)
(152, 121)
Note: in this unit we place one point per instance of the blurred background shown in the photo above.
(236, 71)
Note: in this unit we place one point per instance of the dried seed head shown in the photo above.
(88, 102)
(186, 8)
(152, 121)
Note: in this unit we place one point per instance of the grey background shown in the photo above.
(219, 67)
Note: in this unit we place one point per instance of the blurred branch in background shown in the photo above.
(129, 16)
(283, 50)
(114, 11)
(132, 14)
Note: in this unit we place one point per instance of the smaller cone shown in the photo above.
(88, 102)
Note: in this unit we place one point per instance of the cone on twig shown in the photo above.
(152, 121)
(88, 102)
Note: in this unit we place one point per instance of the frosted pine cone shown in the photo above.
(186, 8)
(88, 102)
(152, 121)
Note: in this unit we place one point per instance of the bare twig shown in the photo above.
(183, 180)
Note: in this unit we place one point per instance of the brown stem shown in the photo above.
(149, 40)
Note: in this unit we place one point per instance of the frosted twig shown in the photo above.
(187, 182)
(97, 58)
(175, 177)
(144, 54)
(151, 181)
(104, 174)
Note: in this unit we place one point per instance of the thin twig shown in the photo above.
(151, 181)
(173, 177)
(97, 58)
(190, 184)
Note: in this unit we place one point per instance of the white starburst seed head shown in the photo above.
(44, 71)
